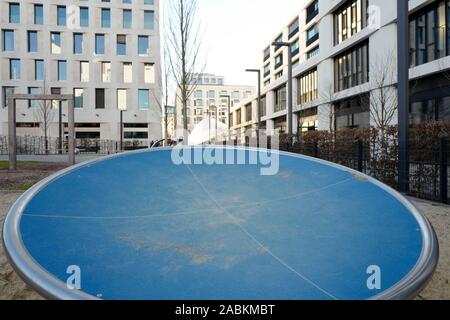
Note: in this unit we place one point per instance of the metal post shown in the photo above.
(71, 118)
(360, 156)
(12, 138)
(60, 128)
(403, 94)
(289, 97)
(121, 130)
(443, 155)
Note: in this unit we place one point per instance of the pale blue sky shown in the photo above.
(236, 31)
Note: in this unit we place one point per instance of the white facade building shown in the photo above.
(106, 53)
(206, 94)
(344, 53)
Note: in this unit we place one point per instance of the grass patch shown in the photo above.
(24, 187)
(4, 165)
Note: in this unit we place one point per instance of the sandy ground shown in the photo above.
(12, 287)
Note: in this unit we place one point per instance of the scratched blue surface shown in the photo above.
(141, 227)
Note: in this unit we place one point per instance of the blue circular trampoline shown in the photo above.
(139, 226)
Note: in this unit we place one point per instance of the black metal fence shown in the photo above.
(30, 145)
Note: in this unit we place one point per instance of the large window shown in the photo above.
(100, 98)
(429, 34)
(106, 18)
(149, 20)
(280, 99)
(122, 99)
(84, 17)
(84, 71)
(55, 38)
(278, 61)
(149, 73)
(14, 13)
(106, 71)
(307, 87)
(62, 70)
(8, 40)
(308, 120)
(38, 14)
(352, 68)
(353, 113)
(312, 11)
(99, 44)
(39, 70)
(293, 28)
(144, 99)
(32, 41)
(435, 109)
(61, 15)
(312, 35)
(78, 43)
(6, 92)
(127, 19)
(79, 98)
(121, 45)
(248, 113)
(14, 69)
(349, 19)
(127, 72)
(143, 45)
(34, 103)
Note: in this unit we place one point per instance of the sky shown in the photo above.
(236, 32)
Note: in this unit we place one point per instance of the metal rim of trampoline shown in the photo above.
(51, 287)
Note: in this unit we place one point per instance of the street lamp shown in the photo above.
(121, 129)
(289, 96)
(228, 97)
(258, 115)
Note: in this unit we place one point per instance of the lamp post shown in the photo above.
(289, 96)
(258, 114)
(213, 107)
(403, 94)
(121, 129)
(228, 97)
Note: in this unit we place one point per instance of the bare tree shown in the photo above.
(382, 96)
(45, 115)
(182, 34)
(327, 96)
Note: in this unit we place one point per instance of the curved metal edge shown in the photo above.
(53, 288)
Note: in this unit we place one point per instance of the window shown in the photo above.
(149, 73)
(62, 70)
(312, 35)
(293, 28)
(235, 95)
(238, 117)
(267, 70)
(295, 48)
(211, 94)
(14, 13)
(127, 19)
(312, 11)
(106, 71)
(6, 92)
(143, 45)
(99, 44)
(121, 45)
(56, 103)
(149, 20)
(248, 113)
(352, 113)
(61, 15)
(127, 72)
(278, 61)
(38, 14)
(122, 99)
(307, 87)
(84, 71)
(39, 70)
(8, 40)
(32, 41)
(84, 17)
(352, 68)
(99, 98)
(14, 69)
(55, 38)
(135, 135)
(151, 2)
(263, 106)
(429, 34)
(349, 19)
(126, 1)
(308, 120)
(280, 99)
(78, 43)
(313, 52)
(144, 101)
(106, 18)
(199, 94)
(79, 97)
(34, 103)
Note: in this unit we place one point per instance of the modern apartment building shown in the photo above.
(344, 67)
(105, 52)
(208, 94)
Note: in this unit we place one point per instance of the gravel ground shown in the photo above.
(12, 287)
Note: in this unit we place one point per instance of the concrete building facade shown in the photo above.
(208, 93)
(344, 67)
(106, 53)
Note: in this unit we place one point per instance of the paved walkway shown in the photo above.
(51, 158)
